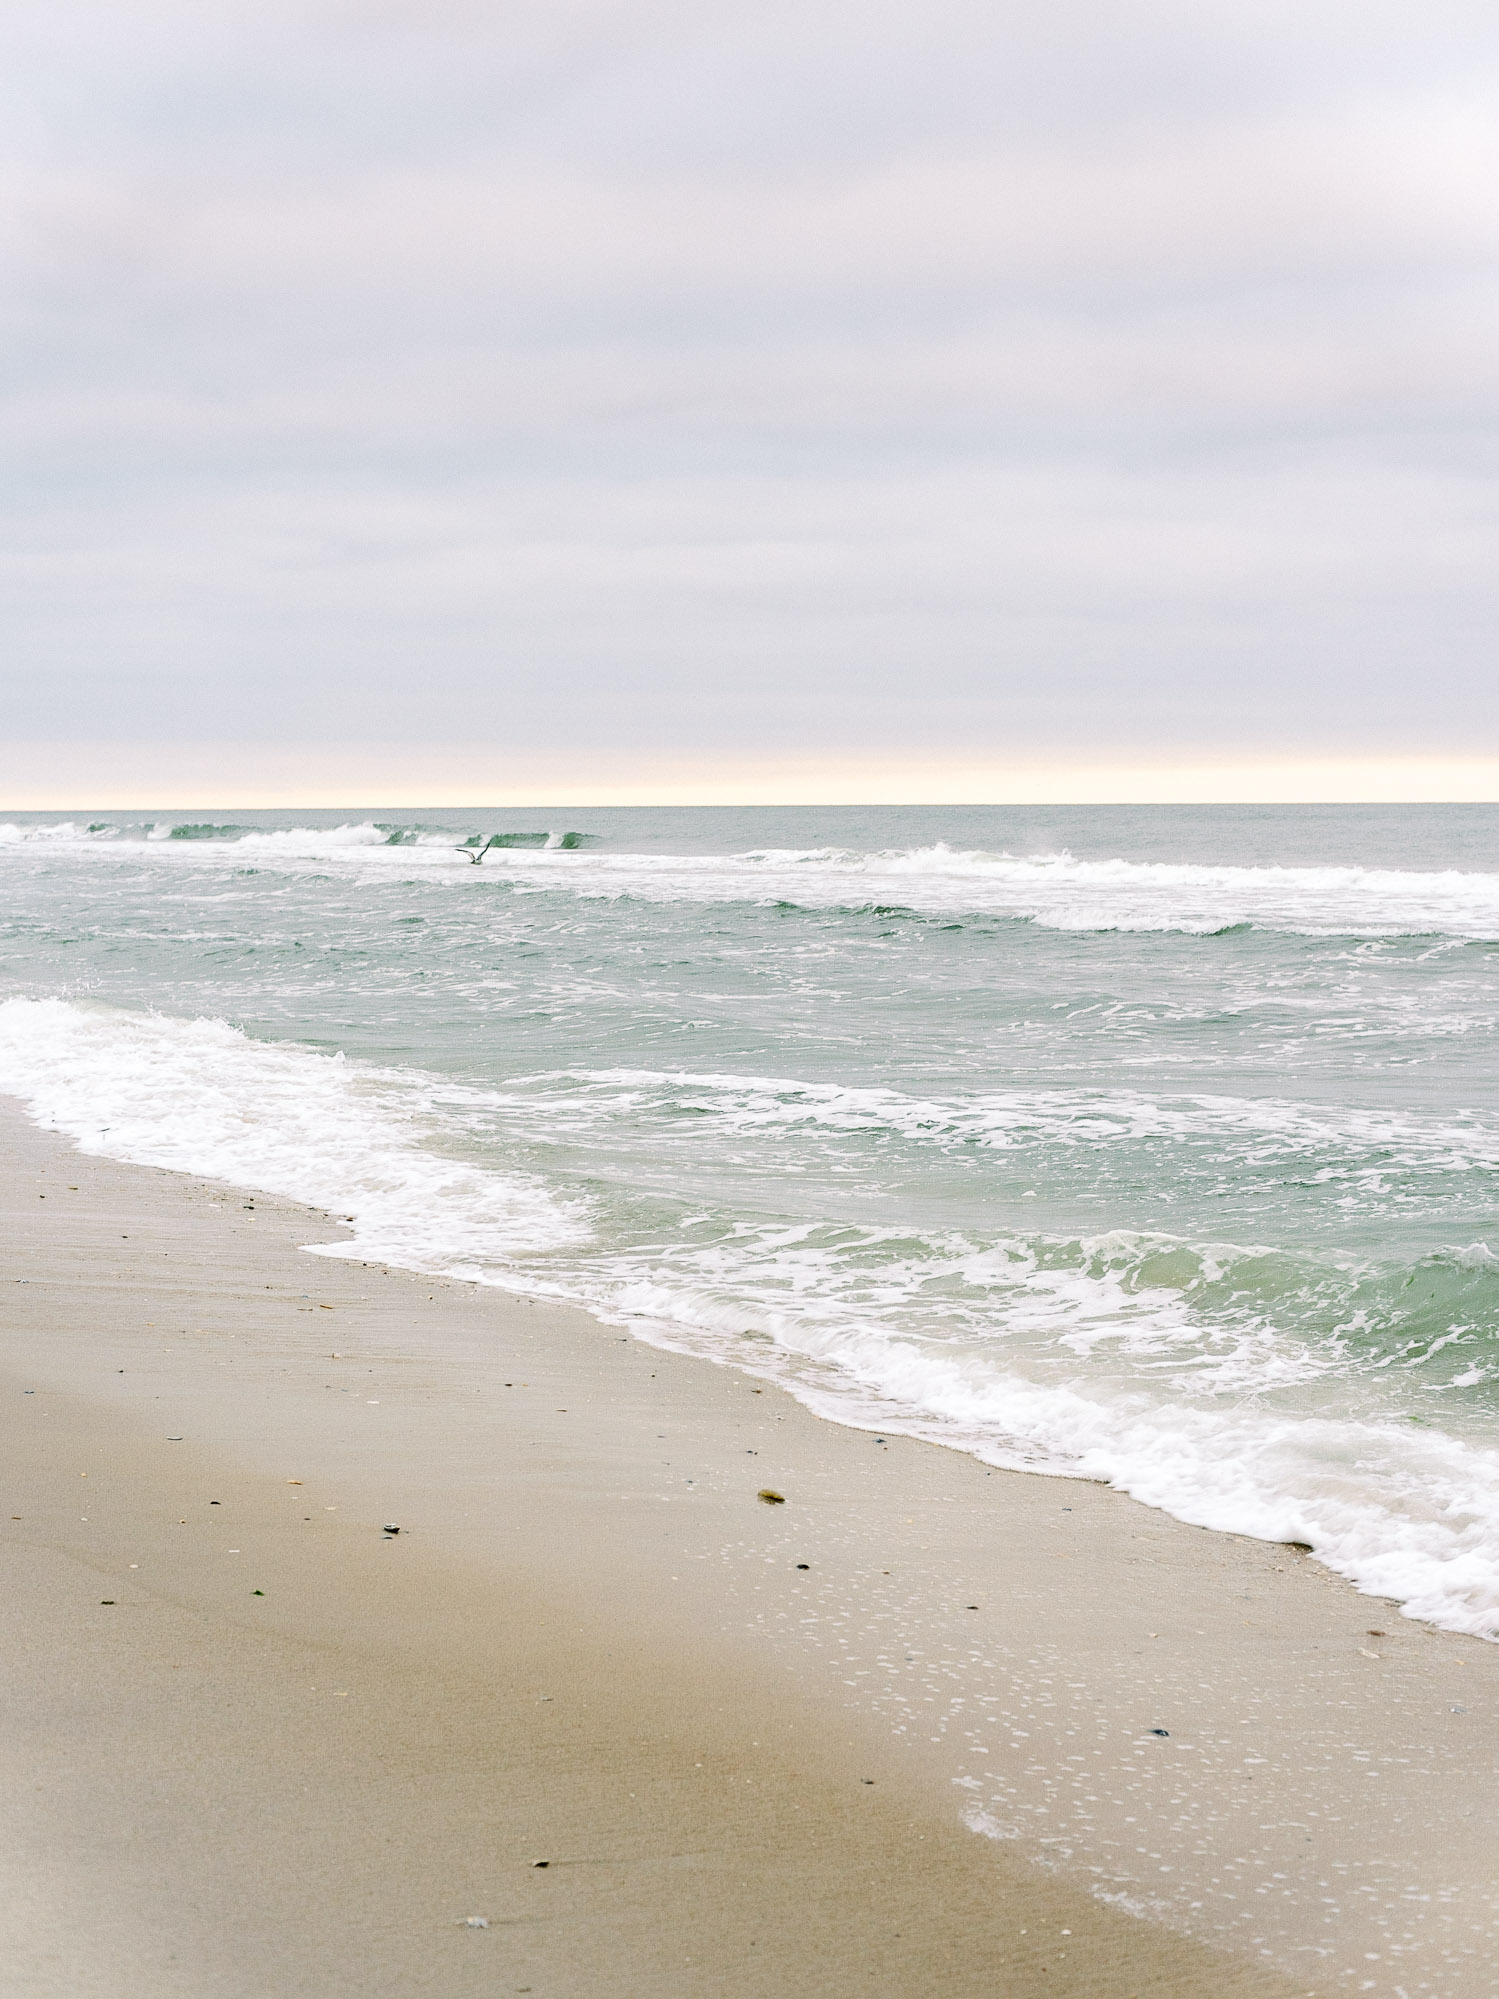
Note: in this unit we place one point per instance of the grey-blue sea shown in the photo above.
(1149, 1144)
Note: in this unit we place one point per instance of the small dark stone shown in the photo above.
(804, 1565)
(1160, 1731)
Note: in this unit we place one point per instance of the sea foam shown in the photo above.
(199, 1096)
(1055, 890)
(1100, 1358)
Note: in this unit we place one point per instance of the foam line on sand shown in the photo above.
(264, 1746)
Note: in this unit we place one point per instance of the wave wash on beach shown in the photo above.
(1176, 1173)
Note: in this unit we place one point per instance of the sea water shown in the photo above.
(1156, 1146)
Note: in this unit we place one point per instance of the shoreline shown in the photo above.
(585, 1583)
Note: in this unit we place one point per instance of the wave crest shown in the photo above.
(1056, 890)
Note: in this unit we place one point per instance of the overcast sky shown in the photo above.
(625, 381)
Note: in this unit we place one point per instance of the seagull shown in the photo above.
(476, 854)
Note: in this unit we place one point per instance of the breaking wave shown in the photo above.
(1238, 1386)
(1055, 890)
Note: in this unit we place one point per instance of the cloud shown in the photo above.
(695, 379)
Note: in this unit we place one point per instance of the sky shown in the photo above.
(592, 400)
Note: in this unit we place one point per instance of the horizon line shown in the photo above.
(1039, 802)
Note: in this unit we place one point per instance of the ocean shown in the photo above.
(1148, 1145)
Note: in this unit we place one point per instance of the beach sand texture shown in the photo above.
(261, 1747)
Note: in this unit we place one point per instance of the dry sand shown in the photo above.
(259, 1747)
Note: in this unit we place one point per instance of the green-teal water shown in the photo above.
(1157, 1145)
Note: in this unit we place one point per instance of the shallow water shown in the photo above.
(1156, 1145)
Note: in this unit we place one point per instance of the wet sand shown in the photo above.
(261, 1747)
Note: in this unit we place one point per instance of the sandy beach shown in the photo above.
(749, 1045)
(922, 1727)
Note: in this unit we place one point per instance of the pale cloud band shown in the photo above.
(72, 778)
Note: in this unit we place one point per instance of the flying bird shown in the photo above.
(476, 854)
